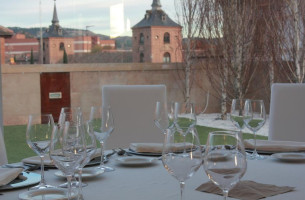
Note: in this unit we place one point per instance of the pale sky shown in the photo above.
(78, 13)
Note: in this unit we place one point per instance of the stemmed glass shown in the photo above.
(102, 124)
(254, 118)
(164, 115)
(68, 149)
(90, 142)
(225, 160)
(236, 114)
(181, 155)
(74, 116)
(184, 116)
(38, 137)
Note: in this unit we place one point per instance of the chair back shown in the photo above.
(3, 157)
(133, 111)
(287, 112)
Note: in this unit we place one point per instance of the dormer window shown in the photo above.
(146, 16)
(163, 17)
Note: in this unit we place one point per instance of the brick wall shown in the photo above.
(2, 52)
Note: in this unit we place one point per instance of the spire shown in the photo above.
(156, 5)
(55, 20)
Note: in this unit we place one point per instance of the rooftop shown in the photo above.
(156, 17)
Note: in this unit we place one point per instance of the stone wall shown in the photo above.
(21, 85)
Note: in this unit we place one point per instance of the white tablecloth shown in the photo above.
(154, 182)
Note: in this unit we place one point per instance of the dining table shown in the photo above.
(152, 181)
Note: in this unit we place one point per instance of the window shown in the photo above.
(61, 46)
(141, 57)
(166, 58)
(141, 38)
(166, 38)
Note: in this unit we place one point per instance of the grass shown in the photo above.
(17, 148)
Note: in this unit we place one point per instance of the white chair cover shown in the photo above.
(133, 110)
(287, 112)
(3, 158)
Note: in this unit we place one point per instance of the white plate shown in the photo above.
(26, 179)
(86, 173)
(135, 160)
(36, 161)
(292, 157)
(47, 194)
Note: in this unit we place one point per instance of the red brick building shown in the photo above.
(55, 40)
(157, 38)
(19, 47)
(4, 33)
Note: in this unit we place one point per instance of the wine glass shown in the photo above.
(181, 155)
(90, 142)
(71, 114)
(184, 116)
(164, 115)
(254, 118)
(102, 124)
(38, 136)
(225, 160)
(68, 149)
(74, 116)
(236, 114)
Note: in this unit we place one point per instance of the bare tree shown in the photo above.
(188, 15)
(286, 22)
(231, 56)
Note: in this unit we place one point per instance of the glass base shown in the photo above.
(74, 184)
(41, 186)
(106, 168)
(255, 156)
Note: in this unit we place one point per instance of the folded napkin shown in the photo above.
(9, 174)
(275, 146)
(36, 160)
(156, 147)
(247, 190)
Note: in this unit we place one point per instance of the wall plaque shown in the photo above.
(55, 95)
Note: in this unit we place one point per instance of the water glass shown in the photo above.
(225, 160)
(102, 122)
(254, 118)
(182, 155)
(38, 137)
(68, 149)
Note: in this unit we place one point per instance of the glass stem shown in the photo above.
(182, 184)
(80, 183)
(69, 179)
(254, 133)
(102, 154)
(225, 194)
(42, 181)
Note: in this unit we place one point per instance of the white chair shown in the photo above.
(3, 158)
(133, 110)
(287, 112)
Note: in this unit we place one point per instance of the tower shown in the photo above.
(157, 38)
(55, 41)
